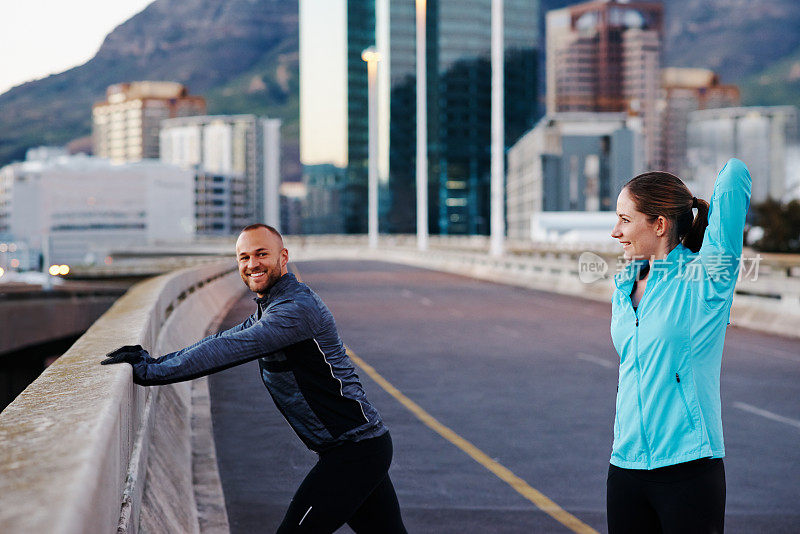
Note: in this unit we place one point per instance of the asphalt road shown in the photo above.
(528, 378)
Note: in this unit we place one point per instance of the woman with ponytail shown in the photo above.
(670, 311)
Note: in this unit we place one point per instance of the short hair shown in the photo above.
(267, 227)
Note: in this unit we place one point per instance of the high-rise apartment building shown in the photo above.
(458, 74)
(236, 149)
(605, 55)
(684, 91)
(220, 202)
(125, 126)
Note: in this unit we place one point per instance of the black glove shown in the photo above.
(131, 354)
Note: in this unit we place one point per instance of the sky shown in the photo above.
(323, 86)
(43, 37)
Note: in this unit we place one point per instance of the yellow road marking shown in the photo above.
(542, 501)
(539, 499)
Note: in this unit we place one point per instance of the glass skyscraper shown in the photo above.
(459, 108)
(360, 35)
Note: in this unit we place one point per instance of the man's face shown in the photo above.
(262, 259)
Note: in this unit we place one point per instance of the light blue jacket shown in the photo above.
(670, 347)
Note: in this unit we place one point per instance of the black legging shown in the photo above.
(349, 484)
(682, 498)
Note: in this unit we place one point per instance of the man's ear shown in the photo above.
(284, 258)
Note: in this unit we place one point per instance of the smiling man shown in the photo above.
(305, 368)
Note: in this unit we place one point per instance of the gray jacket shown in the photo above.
(302, 360)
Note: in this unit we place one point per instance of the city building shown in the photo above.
(684, 91)
(570, 162)
(293, 196)
(361, 34)
(764, 138)
(76, 209)
(322, 207)
(220, 202)
(233, 148)
(125, 126)
(591, 228)
(6, 191)
(605, 55)
(458, 103)
(40, 154)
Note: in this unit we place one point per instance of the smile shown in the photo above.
(256, 275)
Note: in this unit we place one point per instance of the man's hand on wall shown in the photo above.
(131, 354)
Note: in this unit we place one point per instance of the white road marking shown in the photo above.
(766, 414)
(608, 364)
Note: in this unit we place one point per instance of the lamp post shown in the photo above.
(422, 129)
(497, 204)
(371, 56)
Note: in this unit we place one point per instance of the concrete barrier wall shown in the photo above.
(78, 445)
(770, 304)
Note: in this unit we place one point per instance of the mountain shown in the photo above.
(241, 55)
(752, 43)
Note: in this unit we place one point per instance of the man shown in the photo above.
(303, 364)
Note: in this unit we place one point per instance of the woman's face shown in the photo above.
(640, 238)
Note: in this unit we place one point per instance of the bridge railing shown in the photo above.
(76, 445)
(767, 295)
(767, 298)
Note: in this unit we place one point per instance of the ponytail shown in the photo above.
(693, 239)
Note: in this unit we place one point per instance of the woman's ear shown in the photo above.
(662, 225)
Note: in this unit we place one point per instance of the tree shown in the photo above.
(781, 225)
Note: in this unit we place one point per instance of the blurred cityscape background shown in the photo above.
(194, 120)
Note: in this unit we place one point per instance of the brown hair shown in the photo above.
(267, 227)
(661, 194)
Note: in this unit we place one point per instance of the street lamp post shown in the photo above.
(422, 129)
(497, 204)
(371, 56)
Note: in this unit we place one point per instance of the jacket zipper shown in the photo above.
(683, 398)
(647, 290)
(639, 390)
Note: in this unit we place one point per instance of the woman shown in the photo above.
(669, 315)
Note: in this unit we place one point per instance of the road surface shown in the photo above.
(521, 384)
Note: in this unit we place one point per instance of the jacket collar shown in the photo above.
(281, 286)
(676, 259)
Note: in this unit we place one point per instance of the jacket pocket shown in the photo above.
(683, 398)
